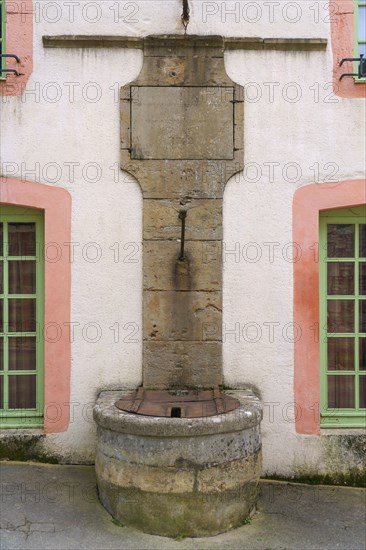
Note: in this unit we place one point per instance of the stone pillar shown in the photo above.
(182, 138)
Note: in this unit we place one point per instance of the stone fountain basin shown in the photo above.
(178, 476)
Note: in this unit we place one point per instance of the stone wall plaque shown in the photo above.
(182, 122)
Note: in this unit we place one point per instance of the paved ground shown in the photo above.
(56, 507)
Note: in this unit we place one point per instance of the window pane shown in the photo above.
(363, 241)
(341, 240)
(1, 392)
(341, 353)
(341, 278)
(362, 354)
(22, 315)
(1, 315)
(22, 353)
(362, 315)
(22, 239)
(362, 23)
(362, 278)
(1, 240)
(341, 392)
(341, 316)
(1, 277)
(362, 387)
(1, 353)
(22, 392)
(22, 277)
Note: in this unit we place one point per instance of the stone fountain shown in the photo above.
(178, 456)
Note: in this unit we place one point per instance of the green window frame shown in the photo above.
(342, 256)
(2, 37)
(22, 309)
(360, 31)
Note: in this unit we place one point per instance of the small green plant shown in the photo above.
(247, 520)
(180, 537)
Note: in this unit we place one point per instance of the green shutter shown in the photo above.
(22, 372)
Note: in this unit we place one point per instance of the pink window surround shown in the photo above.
(341, 15)
(56, 203)
(19, 41)
(309, 201)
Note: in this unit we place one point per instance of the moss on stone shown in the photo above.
(353, 478)
(23, 448)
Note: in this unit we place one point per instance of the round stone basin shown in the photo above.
(178, 476)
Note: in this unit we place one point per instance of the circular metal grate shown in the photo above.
(178, 403)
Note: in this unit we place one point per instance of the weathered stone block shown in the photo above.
(182, 364)
(204, 219)
(168, 122)
(142, 476)
(198, 452)
(182, 67)
(229, 476)
(201, 269)
(173, 515)
(182, 315)
(182, 178)
(125, 117)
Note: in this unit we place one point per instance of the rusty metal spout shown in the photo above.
(182, 216)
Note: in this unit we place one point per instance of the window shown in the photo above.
(360, 29)
(21, 317)
(343, 317)
(2, 37)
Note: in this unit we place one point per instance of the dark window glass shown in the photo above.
(1, 277)
(341, 316)
(22, 353)
(341, 392)
(22, 315)
(22, 277)
(1, 353)
(341, 240)
(362, 278)
(363, 241)
(341, 277)
(1, 236)
(362, 354)
(362, 315)
(22, 239)
(22, 392)
(341, 353)
(362, 386)
(1, 315)
(1, 392)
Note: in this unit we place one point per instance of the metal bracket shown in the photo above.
(361, 66)
(10, 55)
(13, 56)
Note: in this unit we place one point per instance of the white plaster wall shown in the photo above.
(72, 116)
(324, 133)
